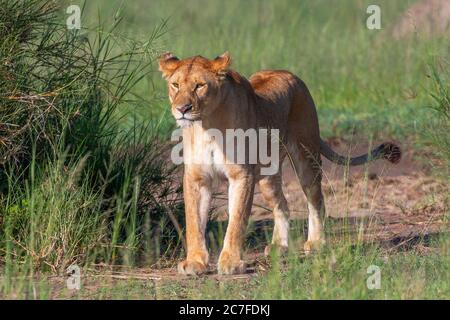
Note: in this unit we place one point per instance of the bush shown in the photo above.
(75, 185)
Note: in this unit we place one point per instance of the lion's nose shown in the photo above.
(184, 108)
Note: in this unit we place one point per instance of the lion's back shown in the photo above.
(274, 84)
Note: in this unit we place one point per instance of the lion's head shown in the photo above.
(194, 85)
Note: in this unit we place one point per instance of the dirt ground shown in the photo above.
(398, 200)
(401, 205)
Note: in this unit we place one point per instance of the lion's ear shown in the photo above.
(221, 64)
(168, 63)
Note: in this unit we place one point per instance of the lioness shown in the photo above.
(207, 94)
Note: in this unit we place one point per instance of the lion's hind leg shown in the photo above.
(272, 192)
(307, 166)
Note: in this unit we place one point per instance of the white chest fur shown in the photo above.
(204, 148)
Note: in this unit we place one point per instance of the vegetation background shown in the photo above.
(84, 127)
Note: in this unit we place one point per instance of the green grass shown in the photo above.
(339, 272)
(72, 178)
(360, 79)
(437, 128)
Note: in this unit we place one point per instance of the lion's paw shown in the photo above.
(191, 268)
(230, 264)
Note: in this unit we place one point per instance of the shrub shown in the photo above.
(72, 178)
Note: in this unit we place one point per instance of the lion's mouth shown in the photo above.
(188, 118)
(185, 122)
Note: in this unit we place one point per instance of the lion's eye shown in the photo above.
(200, 86)
(174, 84)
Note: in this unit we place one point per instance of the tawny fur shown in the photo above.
(223, 99)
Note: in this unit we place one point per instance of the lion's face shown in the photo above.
(194, 86)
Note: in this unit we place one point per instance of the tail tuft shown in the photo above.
(391, 152)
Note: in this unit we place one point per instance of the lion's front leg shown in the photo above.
(240, 197)
(197, 198)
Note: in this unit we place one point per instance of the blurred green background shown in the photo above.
(360, 79)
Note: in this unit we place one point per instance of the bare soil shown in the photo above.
(400, 205)
(397, 200)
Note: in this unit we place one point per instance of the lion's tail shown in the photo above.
(388, 151)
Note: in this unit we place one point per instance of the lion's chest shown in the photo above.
(205, 151)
